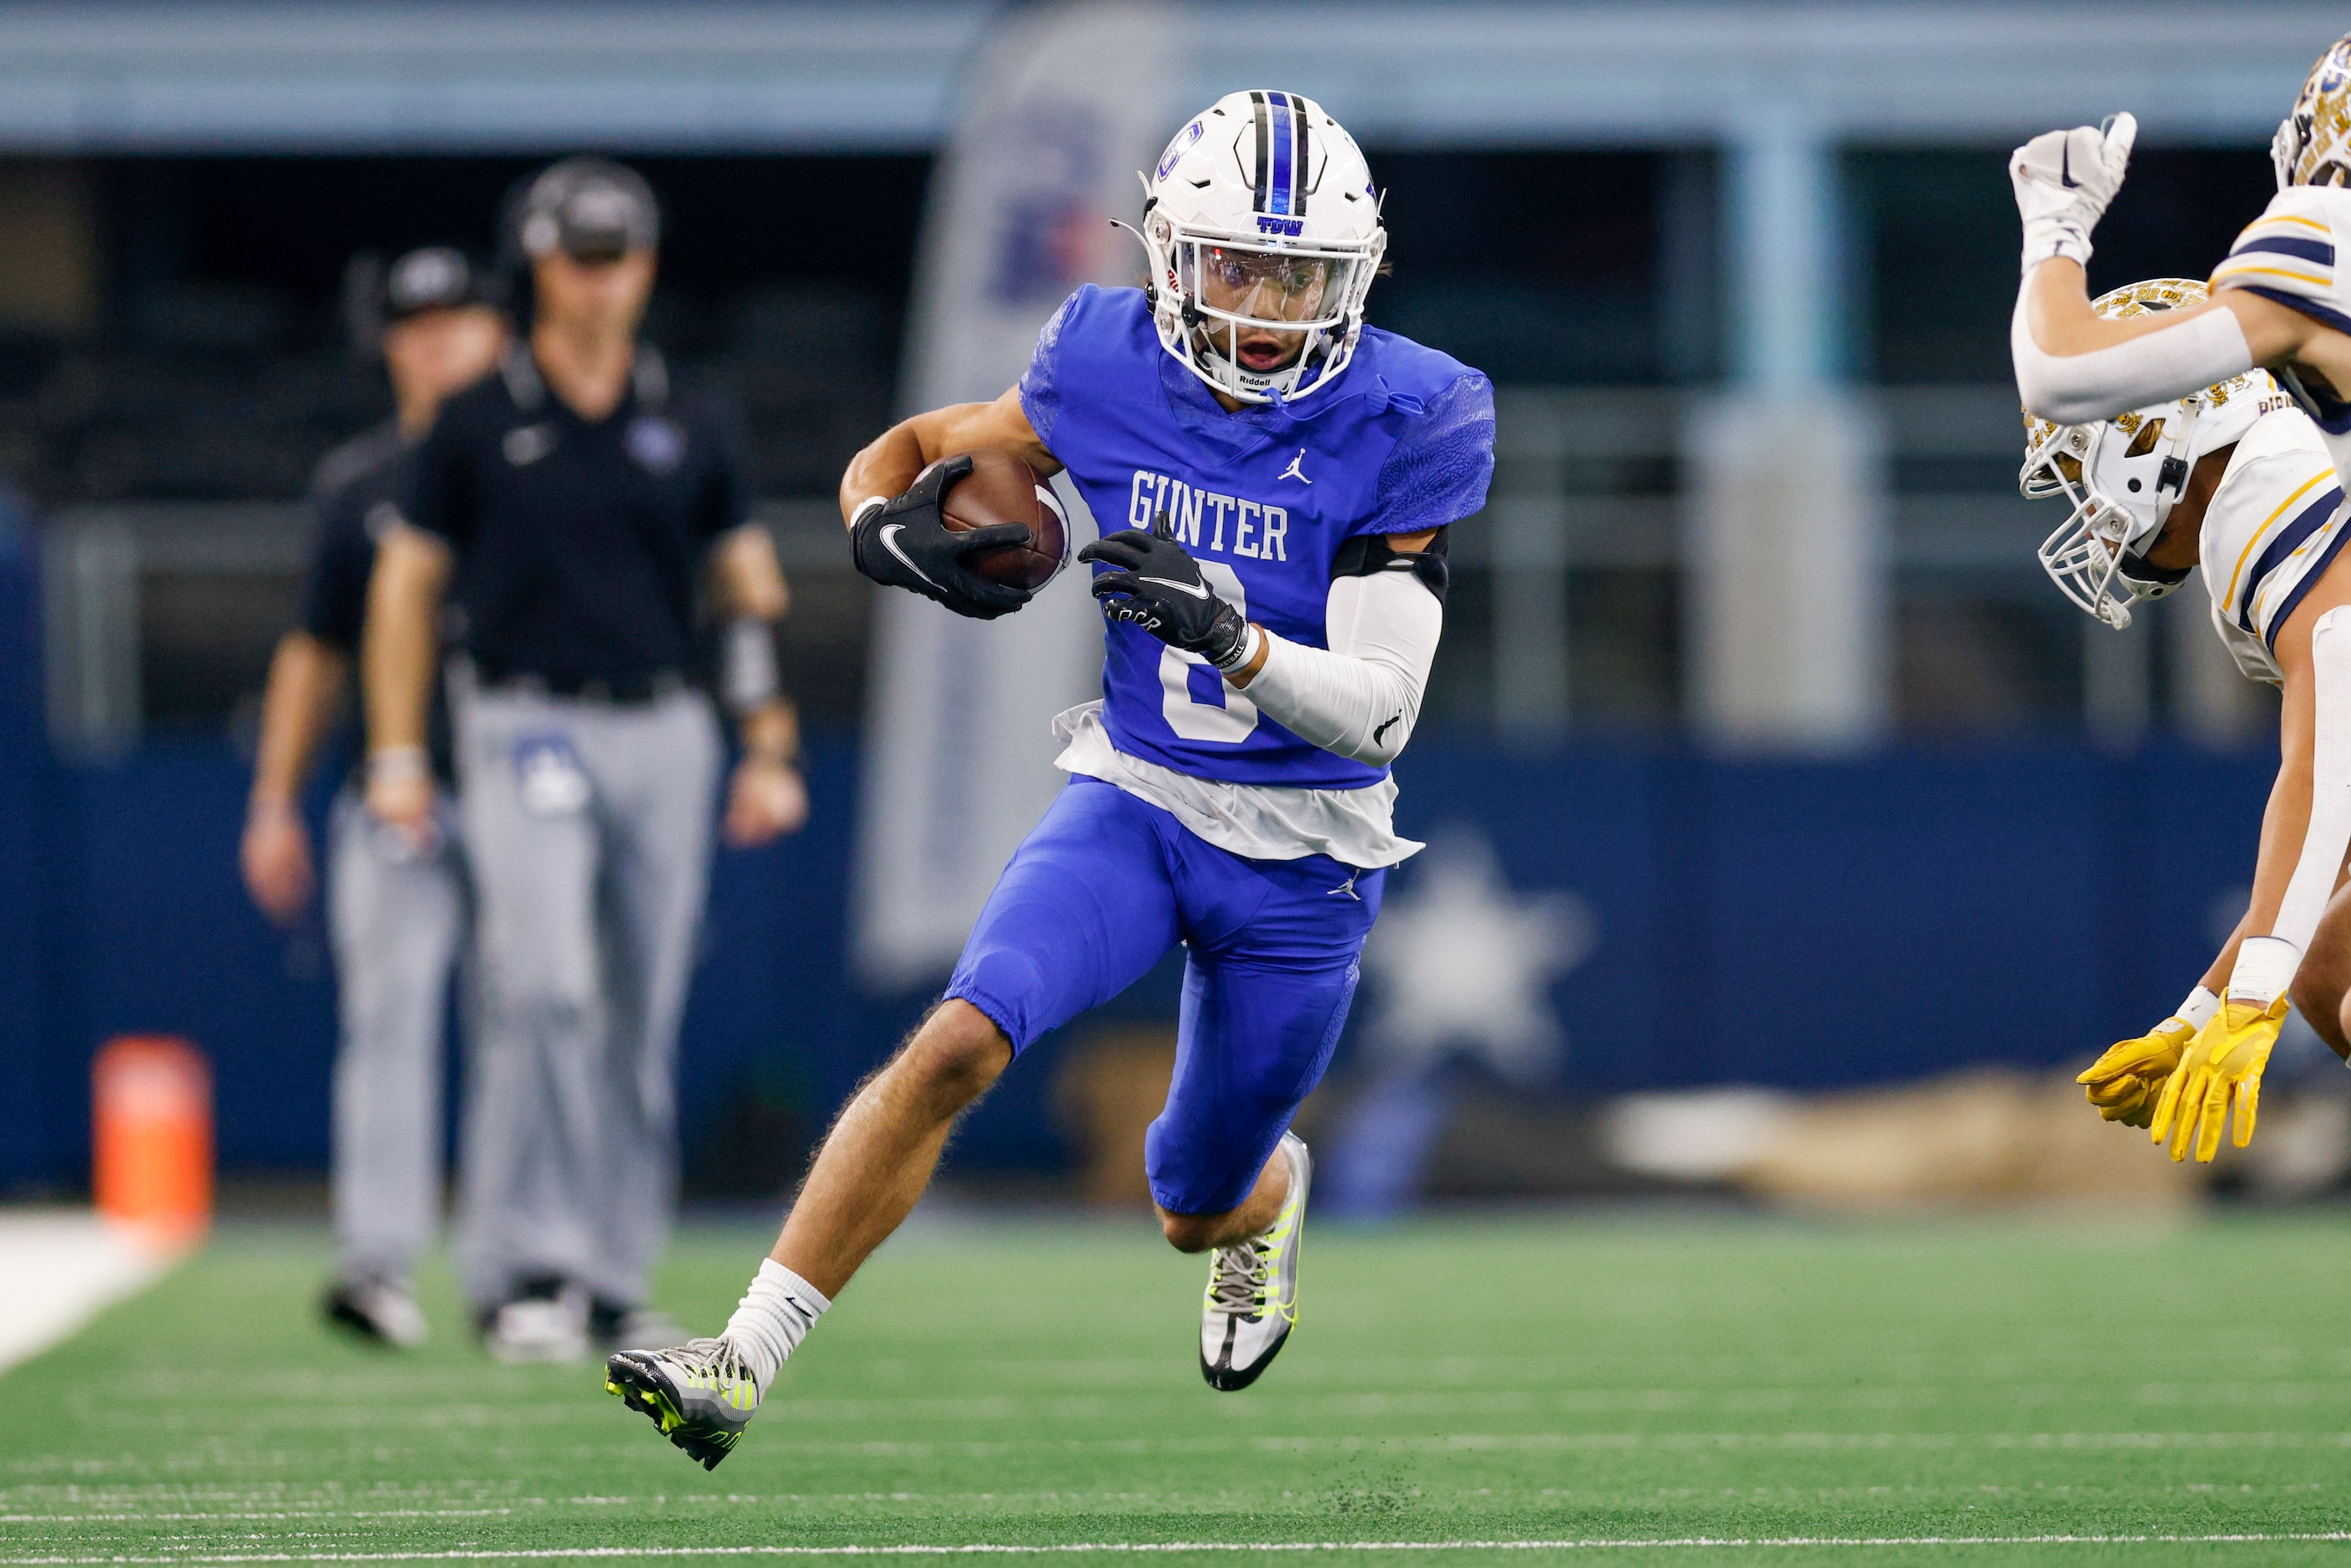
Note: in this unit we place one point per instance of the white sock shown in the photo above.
(774, 1315)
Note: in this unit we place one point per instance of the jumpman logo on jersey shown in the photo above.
(1292, 470)
(1347, 888)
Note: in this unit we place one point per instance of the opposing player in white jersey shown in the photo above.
(2280, 302)
(2236, 479)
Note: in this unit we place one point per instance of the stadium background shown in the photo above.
(2011, 847)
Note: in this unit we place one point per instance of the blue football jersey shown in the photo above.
(1263, 499)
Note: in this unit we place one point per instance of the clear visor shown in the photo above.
(1294, 289)
(2087, 555)
(1257, 305)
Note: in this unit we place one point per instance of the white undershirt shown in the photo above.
(1360, 698)
(1354, 827)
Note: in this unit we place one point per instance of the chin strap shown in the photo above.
(2265, 964)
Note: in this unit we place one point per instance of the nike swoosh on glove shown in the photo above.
(904, 543)
(2124, 1082)
(2225, 1061)
(1156, 585)
(2064, 181)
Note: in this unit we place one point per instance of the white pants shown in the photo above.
(587, 829)
(394, 917)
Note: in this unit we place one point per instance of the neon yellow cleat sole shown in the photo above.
(699, 1396)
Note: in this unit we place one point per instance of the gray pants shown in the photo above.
(394, 917)
(587, 829)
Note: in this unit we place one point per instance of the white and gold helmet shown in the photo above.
(1260, 218)
(2123, 474)
(2312, 145)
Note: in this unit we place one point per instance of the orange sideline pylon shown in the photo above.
(151, 1137)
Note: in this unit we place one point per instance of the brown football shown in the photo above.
(1001, 488)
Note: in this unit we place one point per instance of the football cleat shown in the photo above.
(701, 1394)
(376, 1310)
(1252, 1301)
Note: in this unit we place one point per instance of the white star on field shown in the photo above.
(1463, 963)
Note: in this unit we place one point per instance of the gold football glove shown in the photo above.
(2225, 1063)
(2125, 1082)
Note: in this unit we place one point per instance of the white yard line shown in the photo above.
(1161, 1548)
(63, 1267)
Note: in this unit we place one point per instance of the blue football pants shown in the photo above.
(1102, 887)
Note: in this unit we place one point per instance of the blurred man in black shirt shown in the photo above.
(396, 903)
(568, 509)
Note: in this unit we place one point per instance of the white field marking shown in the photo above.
(1480, 1442)
(1588, 1543)
(1538, 1442)
(279, 1516)
(64, 1267)
(1486, 1442)
(123, 1514)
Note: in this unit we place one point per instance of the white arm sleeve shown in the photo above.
(2167, 363)
(2265, 964)
(1361, 697)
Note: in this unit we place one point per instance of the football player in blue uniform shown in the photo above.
(1285, 476)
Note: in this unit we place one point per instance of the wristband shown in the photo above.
(399, 764)
(866, 508)
(2198, 1010)
(1243, 651)
(2265, 967)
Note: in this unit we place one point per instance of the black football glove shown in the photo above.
(1157, 586)
(903, 543)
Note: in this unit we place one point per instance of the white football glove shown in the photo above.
(2064, 180)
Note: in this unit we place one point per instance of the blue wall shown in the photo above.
(1792, 924)
(28, 1056)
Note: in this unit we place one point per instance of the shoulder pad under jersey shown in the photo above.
(1366, 555)
(2288, 254)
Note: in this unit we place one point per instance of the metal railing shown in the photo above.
(1587, 484)
(1589, 481)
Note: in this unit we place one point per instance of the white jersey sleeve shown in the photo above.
(2289, 255)
(2272, 527)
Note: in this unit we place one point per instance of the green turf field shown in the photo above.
(1634, 1379)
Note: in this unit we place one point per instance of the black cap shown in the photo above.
(435, 277)
(591, 209)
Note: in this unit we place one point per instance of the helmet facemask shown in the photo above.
(2097, 556)
(1222, 302)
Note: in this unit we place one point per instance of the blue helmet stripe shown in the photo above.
(1280, 185)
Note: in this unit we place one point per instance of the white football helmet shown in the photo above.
(1262, 233)
(2123, 473)
(2312, 145)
